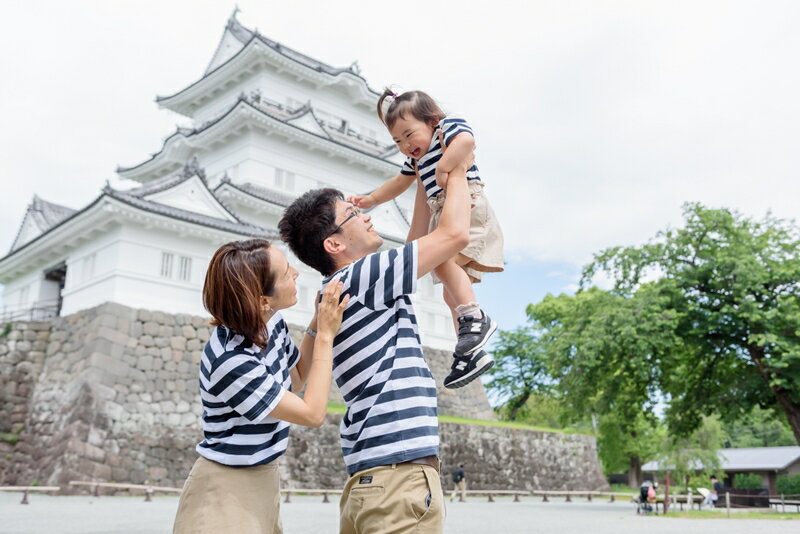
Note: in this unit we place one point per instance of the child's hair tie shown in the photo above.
(391, 97)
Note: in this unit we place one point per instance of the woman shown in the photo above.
(249, 371)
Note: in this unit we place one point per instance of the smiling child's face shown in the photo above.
(413, 137)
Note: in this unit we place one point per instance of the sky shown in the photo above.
(595, 121)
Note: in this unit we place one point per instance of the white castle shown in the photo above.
(267, 124)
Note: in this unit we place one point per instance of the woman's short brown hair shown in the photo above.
(238, 276)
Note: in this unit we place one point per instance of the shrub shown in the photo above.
(747, 481)
(788, 484)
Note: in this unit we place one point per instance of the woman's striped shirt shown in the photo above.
(240, 384)
(450, 127)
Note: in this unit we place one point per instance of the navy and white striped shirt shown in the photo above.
(451, 127)
(379, 367)
(240, 384)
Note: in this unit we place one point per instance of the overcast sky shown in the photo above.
(594, 121)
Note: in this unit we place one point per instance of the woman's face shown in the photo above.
(284, 294)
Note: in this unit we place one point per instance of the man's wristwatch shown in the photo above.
(310, 332)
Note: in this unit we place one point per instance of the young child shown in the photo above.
(419, 127)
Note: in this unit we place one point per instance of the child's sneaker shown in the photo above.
(465, 369)
(473, 333)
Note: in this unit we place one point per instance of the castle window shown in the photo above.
(185, 269)
(284, 179)
(166, 264)
(23, 295)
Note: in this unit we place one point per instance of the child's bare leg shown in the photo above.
(473, 327)
(458, 290)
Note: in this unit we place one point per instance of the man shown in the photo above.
(389, 434)
(459, 483)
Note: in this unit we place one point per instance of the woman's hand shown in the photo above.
(330, 310)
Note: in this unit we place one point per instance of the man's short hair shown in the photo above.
(305, 225)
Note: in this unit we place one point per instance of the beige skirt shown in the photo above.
(220, 499)
(485, 249)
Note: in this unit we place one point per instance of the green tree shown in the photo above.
(693, 458)
(606, 353)
(759, 428)
(730, 287)
(626, 445)
(519, 369)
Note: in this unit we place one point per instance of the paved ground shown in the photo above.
(307, 515)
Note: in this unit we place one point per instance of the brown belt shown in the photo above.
(432, 461)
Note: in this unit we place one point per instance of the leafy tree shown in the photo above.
(605, 352)
(625, 446)
(727, 292)
(759, 428)
(693, 458)
(519, 369)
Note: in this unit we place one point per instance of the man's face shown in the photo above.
(356, 231)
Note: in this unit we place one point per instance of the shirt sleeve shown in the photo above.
(452, 126)
(408, 168)
(245, 384)
(377, 280)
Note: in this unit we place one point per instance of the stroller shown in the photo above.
(647, 496)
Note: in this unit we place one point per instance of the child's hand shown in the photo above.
(363, 202)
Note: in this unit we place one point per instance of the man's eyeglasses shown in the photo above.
(355, 213)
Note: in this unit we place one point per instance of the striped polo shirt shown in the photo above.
(240, 384)
(378, 364)
(450, 127)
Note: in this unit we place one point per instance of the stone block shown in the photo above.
(193, 344)
(188, 332)
(177, 342)
(161, 342)
(108, 364)
(151, 328)
(145, 363)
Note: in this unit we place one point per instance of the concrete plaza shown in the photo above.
(308, 515)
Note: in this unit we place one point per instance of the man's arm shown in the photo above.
(452, 234)
(459, 149)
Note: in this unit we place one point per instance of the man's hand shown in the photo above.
(363, 202)
(441, 178)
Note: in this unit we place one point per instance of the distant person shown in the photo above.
(459, 483)
(248, 372)
(713, 494)
(422, 131)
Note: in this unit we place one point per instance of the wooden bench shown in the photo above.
(27, 489)
(780, 501)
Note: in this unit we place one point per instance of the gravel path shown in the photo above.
(131, 515)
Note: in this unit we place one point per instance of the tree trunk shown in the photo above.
(635, 472)
(516, 403)
(789, 407)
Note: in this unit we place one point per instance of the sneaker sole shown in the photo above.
(492, 328)
(478, 371)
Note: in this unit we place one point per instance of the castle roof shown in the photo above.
(40, 216)
(300, 124)
(256, 50)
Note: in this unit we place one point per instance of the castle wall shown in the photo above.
(110, 394)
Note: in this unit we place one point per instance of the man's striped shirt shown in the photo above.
(450, 127)
(378, 364)
(240, 384)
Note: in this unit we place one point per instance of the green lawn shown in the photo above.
(339, 408)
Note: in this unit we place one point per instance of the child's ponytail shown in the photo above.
(421, 106)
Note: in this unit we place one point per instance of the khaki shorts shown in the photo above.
(396, 498)
(485, 249)
(220, 499)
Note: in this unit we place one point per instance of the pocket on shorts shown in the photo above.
(425, 498)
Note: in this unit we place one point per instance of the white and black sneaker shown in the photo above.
(465, 369)
(473, 333)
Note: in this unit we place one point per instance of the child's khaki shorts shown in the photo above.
(485, 249)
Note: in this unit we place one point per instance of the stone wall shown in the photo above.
(110, 394)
